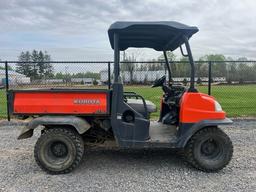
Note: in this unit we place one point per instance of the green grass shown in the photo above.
(3, 106)
(236, 100)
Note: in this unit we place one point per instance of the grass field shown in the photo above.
(237, 100)
(2, 104)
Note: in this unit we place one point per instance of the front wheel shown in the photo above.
(210, 149)
(59, 150)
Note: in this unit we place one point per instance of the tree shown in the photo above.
(59, 75)
(84, 75)
(35, 65)
(171, 57)
(240, 71)
(218, 68)
(183, 67)
(246, 70)
(34, 59)
(8, 66)
(41, 65)
(130, 66)
(142, 67)
(145, 80)
(24, 67)
(45, 68)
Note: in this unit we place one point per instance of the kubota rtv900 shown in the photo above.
(71, 118)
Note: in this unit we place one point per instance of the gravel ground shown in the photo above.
(127, 170)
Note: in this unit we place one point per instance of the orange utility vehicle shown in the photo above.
(73, 118)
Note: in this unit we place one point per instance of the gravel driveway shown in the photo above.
(123, 170)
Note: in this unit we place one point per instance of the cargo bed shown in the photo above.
(59, 101)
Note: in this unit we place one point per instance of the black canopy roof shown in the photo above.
(161, 35)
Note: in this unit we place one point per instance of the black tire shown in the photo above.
(59, 150)
(209, 150)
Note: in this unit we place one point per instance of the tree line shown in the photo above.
(92, 75)
(241, 70)
(35, 64)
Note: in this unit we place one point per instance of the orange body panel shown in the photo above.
(60, 102)
(195, 107)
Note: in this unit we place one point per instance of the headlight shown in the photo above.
(217, 106)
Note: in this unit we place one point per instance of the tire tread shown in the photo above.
(75, 137)
(190, 145)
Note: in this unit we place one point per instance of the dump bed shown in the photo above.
(59, 101)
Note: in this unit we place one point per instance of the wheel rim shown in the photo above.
(211, 149)
(56, 154)
(59, 149)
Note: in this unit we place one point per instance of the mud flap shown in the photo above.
(25, 133)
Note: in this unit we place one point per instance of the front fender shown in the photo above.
(80, 124)
(186, 131)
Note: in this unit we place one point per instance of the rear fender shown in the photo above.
(80, 124)
(187, 130)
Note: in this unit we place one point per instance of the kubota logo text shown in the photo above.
(87, 101)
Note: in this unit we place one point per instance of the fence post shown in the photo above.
(209, 77)
(7, 89)
(109, 76)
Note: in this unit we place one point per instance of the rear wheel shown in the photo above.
(210, 149)
(59, 150)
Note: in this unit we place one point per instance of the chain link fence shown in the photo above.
(233, 83)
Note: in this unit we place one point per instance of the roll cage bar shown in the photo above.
(123, 35)
(168, 67)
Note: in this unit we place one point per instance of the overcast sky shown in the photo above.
(77, 29)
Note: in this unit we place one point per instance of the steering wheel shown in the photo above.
(159, 82)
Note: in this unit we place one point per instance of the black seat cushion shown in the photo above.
(137, 105)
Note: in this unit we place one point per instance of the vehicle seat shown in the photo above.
(137, 105)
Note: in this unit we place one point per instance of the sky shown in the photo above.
(77, 29)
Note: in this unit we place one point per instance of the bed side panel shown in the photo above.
(60, 102)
